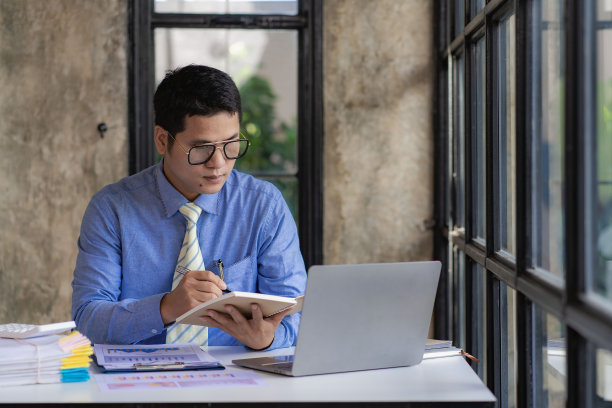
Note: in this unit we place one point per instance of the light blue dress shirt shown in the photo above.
(131, 236)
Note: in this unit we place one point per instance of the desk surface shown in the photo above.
(442, 381)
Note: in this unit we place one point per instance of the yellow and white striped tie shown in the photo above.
(190, 258)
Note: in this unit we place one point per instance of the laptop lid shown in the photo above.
(366, 316)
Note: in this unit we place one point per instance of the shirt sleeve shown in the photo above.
(97, 307)
(281, 269)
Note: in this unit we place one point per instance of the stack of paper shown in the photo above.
(433, 344)
(45, 359)
(444, 348)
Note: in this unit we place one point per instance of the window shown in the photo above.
(528, 232)
(479, 346)
(504, 129)
(476, 7)
(550, 361)
(272, 50)
(547, 149)
(458, 16)
(263, 63)
(458, 169)
(459, 292)
(602, 279)
(478, 141)
(227, 6)
(604, 375)
(508, 374)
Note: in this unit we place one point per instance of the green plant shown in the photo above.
(273, 147)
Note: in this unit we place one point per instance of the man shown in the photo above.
(128, 287)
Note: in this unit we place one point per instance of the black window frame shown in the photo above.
(587, 323)
(142, 21)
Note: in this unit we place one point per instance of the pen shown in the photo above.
(468, 355)
(220, 265)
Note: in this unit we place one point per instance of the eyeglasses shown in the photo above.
(232, 149)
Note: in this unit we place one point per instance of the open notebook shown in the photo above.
(360, 317)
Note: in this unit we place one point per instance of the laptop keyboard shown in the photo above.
(283, 366)
(281, 362)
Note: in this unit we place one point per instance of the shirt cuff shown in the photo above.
(280, 340)
(149, 322)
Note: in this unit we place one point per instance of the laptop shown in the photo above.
(360, 317)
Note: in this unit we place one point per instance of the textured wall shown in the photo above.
(378, 163)
(62, 71)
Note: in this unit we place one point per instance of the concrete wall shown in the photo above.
(62, 71)
(378, 82)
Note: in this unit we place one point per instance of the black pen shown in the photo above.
(220, 265)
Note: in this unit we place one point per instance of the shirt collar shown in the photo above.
(172, 199)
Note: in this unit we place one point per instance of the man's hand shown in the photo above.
(256, 333)
(196, 287)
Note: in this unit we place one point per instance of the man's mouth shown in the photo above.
(214, 178)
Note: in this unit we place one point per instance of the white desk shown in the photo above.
(445, 381)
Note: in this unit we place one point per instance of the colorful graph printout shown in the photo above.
(117, 357)
(177, 379)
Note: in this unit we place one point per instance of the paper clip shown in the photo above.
(170, 366)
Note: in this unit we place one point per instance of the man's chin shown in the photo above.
(210, 188)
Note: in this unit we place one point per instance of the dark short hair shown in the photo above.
(194, 90)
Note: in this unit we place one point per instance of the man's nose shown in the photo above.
(218, 157)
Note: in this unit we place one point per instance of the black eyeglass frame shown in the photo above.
(214, 145)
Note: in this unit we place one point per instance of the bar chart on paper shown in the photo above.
(182, 379)
(120, 355)
(151, 357)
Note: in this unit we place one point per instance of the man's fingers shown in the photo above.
(220, 318)
(193, 283)
(235, 314)
(210, 322)
(207, 276)
(256, 332)
(256, 313)
(276, 318)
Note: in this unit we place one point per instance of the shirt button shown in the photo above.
(154, 331)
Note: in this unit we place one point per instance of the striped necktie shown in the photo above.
(190, 258)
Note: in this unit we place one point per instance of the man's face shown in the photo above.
(207, 178)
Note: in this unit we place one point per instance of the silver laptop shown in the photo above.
(360, 317)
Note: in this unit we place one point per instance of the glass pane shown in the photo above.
(459, 16)
(603, 276)
(509, 379)
(604, 374)
(459, 303)
(547, 146)
(476, 7)
(477, 105)
(286, 7)
(459, 141)
(551, 363)
(263, 63)
(479, 315)
(507, 143)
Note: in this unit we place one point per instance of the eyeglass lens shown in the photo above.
(233, 150)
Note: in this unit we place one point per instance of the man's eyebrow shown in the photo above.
(200, 142)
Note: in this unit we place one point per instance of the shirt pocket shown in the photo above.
(241, 275)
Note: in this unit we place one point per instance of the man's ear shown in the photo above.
(161, 139)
